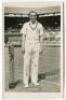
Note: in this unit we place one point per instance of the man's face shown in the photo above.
(33, 17)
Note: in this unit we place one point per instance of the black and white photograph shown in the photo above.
(33, 47)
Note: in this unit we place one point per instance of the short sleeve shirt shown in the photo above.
(32, 35)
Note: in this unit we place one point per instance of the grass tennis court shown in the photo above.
(49, 70)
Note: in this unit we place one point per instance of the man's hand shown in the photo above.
(41, 50)
(23, 49)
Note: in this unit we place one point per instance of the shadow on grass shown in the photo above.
(52, 73)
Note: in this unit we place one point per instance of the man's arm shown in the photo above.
(23, 43)
(41, 38)
(23, 32)
(41, 44)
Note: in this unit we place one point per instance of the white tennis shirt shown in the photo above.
(32, 31)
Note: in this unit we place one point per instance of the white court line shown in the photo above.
(54, 83)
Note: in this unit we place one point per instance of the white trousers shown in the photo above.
(31, 55)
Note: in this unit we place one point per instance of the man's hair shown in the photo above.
(32, 12)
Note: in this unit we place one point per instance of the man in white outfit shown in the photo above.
(32, 37)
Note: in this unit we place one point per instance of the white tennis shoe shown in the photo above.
(36, 84)
(26, 85)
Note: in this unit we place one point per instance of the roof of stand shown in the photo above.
(25, 8)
